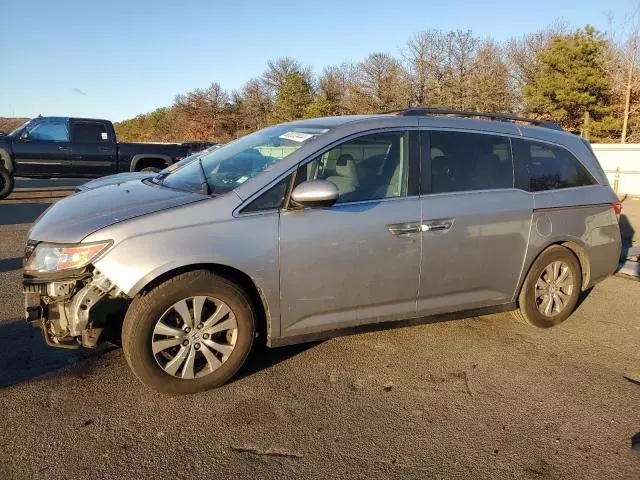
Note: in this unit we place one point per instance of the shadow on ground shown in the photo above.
(16, 213)
(263, 357)
(24, 355)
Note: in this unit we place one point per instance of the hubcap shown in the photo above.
(194, 337)
(554, 288)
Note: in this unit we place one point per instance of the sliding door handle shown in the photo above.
(400, 229)
(436, 226)
(62, 148)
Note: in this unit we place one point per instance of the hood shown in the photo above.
(113, 179)
(73, 218)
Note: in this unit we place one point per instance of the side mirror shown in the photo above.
(315, 193)
(24, 136)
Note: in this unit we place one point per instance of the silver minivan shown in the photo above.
(322, 227)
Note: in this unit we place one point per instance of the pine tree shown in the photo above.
(292, 99)
(572, 84)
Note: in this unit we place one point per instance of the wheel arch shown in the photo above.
(142, 158)
(240, 278)
(575, 247)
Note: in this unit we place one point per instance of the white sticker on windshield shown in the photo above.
(296, 136)
(104, 136)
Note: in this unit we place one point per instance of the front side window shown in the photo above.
(231, 165)
(49, 130)
(547, 167)
(463, 161)
(272, 199)
(370, 167)
(90, 133)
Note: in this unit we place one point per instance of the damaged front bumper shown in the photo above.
(72, 311)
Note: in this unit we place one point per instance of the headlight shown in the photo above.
(49, 257)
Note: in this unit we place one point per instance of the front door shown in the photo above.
(94, 153)
(43, 149)
(475, 224)
(358, 261)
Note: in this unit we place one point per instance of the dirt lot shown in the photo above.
(475, 398)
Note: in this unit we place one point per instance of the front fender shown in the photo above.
(151, 246)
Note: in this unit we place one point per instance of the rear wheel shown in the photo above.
(6, 183)
(550, 291)
(150, 169)
(189, 334)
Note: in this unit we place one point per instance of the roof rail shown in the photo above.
(503, 117)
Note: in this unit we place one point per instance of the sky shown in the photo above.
(116, 59)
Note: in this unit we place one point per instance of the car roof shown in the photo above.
(505, 127)
(72, 118)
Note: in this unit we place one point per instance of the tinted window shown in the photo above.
(49, 130)
(90, 133)
(469, 161)
(366, 168)
(545, 167)
(270, 200)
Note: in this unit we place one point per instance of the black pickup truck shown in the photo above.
(47, 147)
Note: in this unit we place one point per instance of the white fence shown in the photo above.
(621, 163)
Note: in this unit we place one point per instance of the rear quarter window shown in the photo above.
(541, 167)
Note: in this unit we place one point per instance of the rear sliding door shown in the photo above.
(475, 223)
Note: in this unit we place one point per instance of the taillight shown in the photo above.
(617, 208)
(177, 159)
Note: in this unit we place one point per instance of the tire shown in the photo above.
(150, 169)
(6, 183)
(552, 304)
(146, 313)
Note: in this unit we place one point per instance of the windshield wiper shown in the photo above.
(205, 183)
(160, 178)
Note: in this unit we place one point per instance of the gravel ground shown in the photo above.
(474, 398)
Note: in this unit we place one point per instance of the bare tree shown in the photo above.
(334, 84)
(380, 83)
(625, 67)
(253, 104)
(278, 69)
(424, 56)
(490, 89)
(202, 111)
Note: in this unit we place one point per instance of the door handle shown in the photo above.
(104, 149)
(399, 229)
(436, 226)
(63, 148)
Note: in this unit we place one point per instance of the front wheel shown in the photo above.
(551, 289)
(188, 334)
(6, 183)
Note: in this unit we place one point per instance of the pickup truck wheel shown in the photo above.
(188, 334)
(550, 291)
(6, 183)
(150, 169)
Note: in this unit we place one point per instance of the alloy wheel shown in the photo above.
(194, 337)
(554, 288)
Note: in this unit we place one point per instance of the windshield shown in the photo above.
(229, 166)
(175, 166)
(13, 133)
